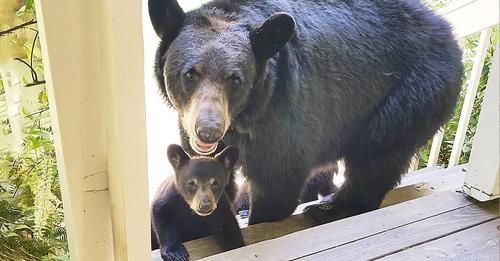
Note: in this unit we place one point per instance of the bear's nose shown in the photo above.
(209, 132)
(205, 206)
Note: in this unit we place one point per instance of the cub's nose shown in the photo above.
(205, 207)
(209, 132)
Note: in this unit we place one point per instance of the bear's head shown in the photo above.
(208, 64)
(201, 181)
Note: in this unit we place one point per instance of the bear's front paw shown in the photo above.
(177, 253)
(321, 213)
(330, 210)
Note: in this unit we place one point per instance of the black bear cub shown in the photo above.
(195, 202)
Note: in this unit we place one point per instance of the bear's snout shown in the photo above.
(205, 207)
(209, 125)
(209, 131)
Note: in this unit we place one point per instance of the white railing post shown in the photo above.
(435, 148)
(472, 84)
(482, 177)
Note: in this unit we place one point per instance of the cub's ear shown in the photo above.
(228, 156)
(167, 18)
(177, 156)
(269, 37)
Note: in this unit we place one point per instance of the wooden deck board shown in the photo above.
(477, 243)
(317, 239)
(403, 237)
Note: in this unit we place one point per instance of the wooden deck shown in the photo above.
(446, 225)
(417, 221)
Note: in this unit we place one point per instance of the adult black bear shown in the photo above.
(195, 202)
(295, 84)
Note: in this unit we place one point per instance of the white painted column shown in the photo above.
(93, 58)
(482, 178)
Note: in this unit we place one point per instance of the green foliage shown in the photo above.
(28, 7)
(31, 214)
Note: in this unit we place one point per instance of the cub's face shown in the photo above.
(202, 181)
(208, 65)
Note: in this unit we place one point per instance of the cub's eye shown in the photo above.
(189, 75)
(215, 185)
(235, 81)
(191, 186)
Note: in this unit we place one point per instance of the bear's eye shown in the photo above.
(191, 186)
(215, 185)
(235, 80)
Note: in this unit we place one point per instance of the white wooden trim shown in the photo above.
(471, 16)
(92, 52)
(472, 84)
(482, 178)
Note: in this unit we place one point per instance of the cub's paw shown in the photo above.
(176, 253)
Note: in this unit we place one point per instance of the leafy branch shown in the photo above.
(17, 27)
(34, 75)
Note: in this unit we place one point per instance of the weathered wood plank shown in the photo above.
(477, 243)
(400, 238)
(326, 236)
(431, 175)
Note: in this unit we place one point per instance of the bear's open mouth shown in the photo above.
(203, 148)
(203, 214)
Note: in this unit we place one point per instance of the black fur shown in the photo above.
(319, 182)
(367, 81)
(174, 222)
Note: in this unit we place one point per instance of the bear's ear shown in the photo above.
(269, 37)
(167, 18)
(177, 156)
(228, 157)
